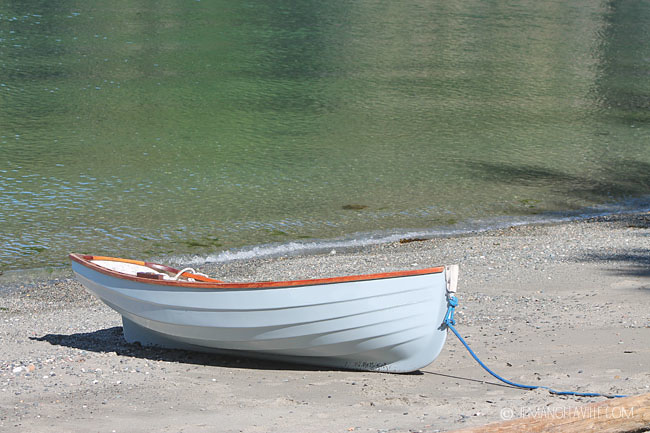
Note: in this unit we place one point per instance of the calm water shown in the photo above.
(173, 128)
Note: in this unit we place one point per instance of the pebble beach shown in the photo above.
(564, 305)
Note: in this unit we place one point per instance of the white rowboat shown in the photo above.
(391, 322)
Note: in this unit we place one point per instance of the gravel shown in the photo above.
(565, 305)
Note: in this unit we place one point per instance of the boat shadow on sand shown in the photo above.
(112, 340)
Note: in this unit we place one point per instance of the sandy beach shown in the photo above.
(565, 305)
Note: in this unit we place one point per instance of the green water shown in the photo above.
(169, 128)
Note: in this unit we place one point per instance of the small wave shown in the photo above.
(360, 240)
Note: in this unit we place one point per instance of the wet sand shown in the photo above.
(562, 305)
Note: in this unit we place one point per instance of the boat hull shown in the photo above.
(389, 324)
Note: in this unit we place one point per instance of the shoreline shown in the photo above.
(348, 243)
(351, 241)
(565, 305)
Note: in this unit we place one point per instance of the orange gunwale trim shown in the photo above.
(209, 283)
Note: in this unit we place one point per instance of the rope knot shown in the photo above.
(449, 317)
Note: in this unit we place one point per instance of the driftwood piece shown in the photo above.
(618, 415)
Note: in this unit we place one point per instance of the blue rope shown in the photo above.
(449, 322)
